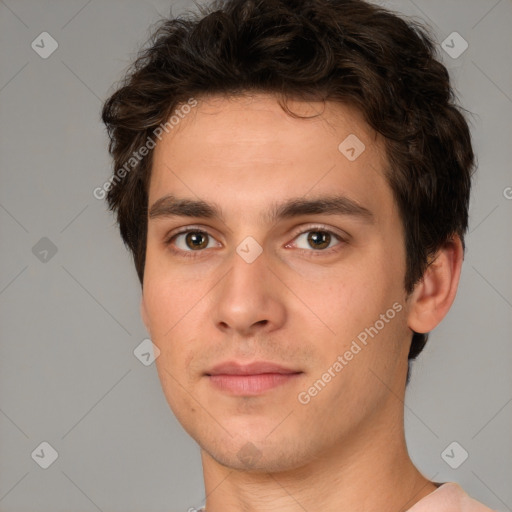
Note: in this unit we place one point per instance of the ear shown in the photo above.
(144, 313)
(433, 296)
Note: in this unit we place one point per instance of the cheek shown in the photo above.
(168, 296)
(171, 317)
(343, 297)
(170, 308)
(176, 389)
(348, 301)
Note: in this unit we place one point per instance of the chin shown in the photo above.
(256, 456)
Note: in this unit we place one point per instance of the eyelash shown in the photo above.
(310, 252)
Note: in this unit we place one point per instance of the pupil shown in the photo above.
(319, 239)
(196, 240)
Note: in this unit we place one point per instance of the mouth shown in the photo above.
(250, 379)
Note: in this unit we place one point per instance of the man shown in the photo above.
(293, 178)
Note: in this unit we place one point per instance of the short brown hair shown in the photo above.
(344, 50)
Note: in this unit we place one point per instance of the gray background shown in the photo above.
(70, 324)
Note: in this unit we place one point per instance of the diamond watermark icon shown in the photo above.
(454, 45)
(454, 455)
(45, 455)
(249, 249)
(351, 147)
(146, 352)
(44, 250)
(44, 45)
(249, 454)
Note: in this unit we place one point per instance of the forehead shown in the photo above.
(247, 149)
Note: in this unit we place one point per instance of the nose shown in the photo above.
(250, 299)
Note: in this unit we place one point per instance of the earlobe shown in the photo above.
(434, 294)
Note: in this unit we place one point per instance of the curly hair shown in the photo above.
(349, 51)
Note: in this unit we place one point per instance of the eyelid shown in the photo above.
(185, 229)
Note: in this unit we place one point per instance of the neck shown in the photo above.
(371, 471)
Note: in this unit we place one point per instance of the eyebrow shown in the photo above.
(171, 206)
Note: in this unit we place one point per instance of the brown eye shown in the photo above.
(319, 239)
(196, 240)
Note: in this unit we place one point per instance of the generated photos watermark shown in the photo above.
(140, 153)
(304, 397)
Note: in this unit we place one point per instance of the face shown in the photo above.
(273, 282)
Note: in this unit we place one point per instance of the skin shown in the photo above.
(294, 305)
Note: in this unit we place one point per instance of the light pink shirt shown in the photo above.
(449, 497)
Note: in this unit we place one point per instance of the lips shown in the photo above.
(256, 368)
(250, 379)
